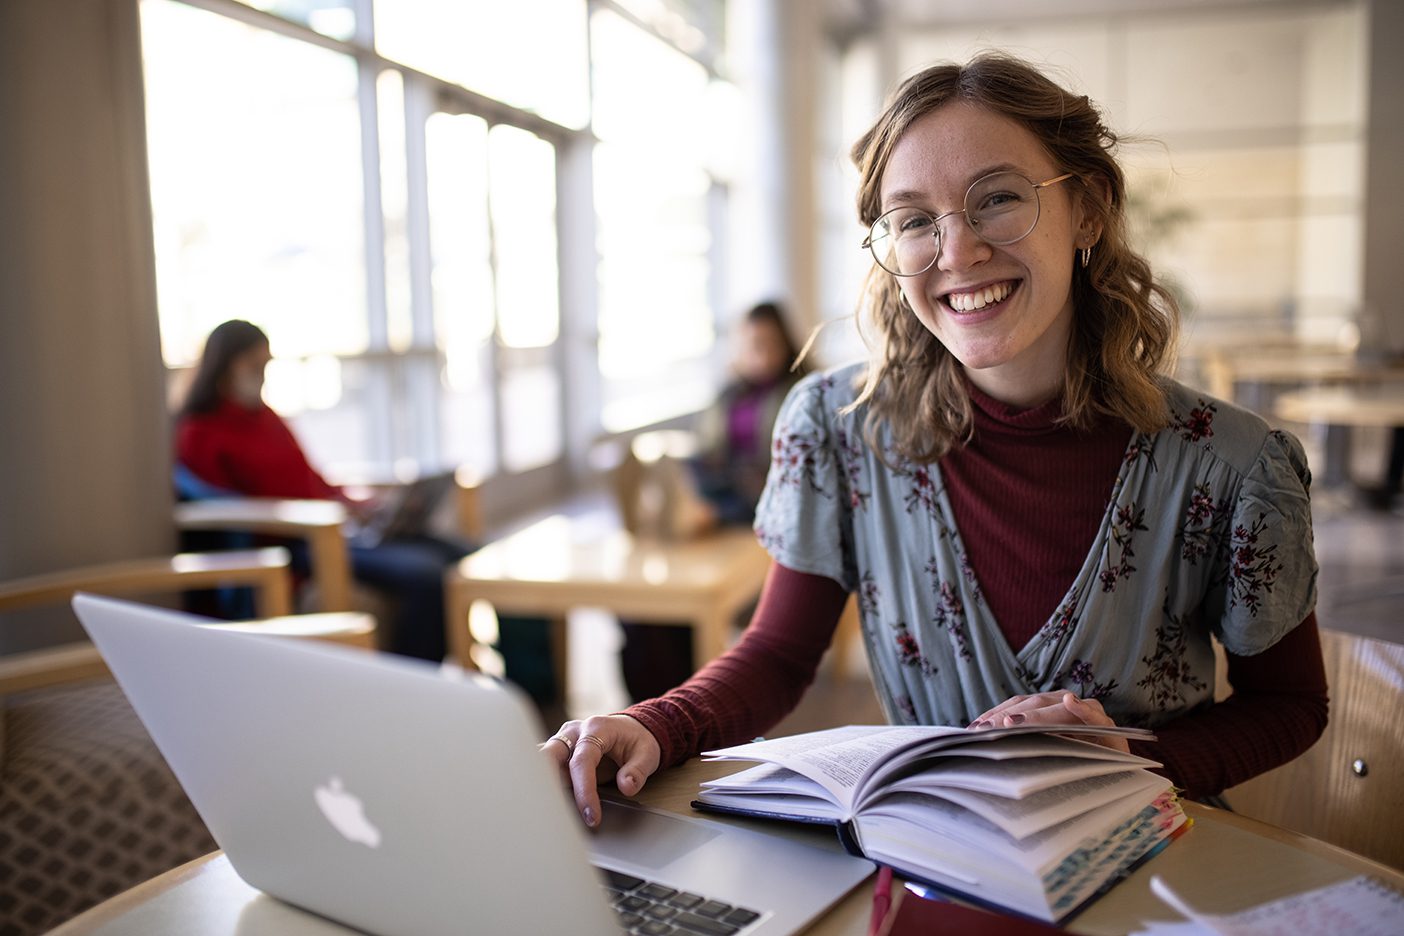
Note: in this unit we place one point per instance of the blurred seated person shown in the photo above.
(734, 456)
(231, 440)
(729, 471)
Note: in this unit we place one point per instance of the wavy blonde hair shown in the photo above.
(1124, 322)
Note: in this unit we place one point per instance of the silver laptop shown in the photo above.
(406, 511)
(384, 795)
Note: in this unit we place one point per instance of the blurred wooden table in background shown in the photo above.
(562, 563)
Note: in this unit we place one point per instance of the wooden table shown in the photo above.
(1224, 863)
(1341, 409)
(1343, 406)
(1253, 377)
(562, 563)
(1226, 368)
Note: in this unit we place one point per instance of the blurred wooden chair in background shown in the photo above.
(1349, 788)
(88, 807)
(322, 526)
(657, 500)
(652, 485)
(318, 523)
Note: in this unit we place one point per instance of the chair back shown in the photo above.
(1349, 788)
(652, 484)
(319, 522)
(263, 570)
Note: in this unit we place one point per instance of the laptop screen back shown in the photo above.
(364, 788)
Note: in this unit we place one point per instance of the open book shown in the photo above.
(1014, 818)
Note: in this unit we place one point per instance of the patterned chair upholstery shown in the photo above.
(88, 807)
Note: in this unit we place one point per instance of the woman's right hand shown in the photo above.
(600, 749)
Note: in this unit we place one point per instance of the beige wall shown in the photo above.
(84, 470)
(1275, 126)
(1383, 262)
(1257, 121)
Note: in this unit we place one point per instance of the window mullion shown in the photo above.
(496, 356)
(379, 415)
(421, 373)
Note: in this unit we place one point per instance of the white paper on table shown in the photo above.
(1178, 928)
(1361, 906)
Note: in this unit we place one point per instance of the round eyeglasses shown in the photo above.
(1001, 208)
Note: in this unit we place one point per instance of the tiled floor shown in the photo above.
(1360, 551)
(1361, 554)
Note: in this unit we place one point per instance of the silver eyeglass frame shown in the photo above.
(965, 210)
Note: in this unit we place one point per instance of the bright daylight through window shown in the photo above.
(381, 198)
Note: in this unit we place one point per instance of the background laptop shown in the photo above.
(377, 792)
(406, 510)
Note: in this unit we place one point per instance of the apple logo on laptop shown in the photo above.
(344, 811)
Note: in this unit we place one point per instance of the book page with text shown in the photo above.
(837, 759)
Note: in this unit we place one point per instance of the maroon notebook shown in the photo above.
(915, 915)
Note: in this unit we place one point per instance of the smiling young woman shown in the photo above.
(1040, 527)
(945, 121)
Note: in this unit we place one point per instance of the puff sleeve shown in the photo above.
(1270, 571)
(802, 519)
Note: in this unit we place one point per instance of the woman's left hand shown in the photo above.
(1059, 707)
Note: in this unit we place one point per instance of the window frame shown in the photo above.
(575, 350)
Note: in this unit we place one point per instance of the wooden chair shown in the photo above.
(321, 524)
(264, 570)
(1349, 788)
(651, 484)
(318, 522)
(90, 807)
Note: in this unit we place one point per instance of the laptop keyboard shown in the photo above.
(651, 909)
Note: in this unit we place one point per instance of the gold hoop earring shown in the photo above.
(1086, 256)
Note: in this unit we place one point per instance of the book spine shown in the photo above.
(848, 838)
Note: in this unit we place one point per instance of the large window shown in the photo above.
(530, 54)
(257, 184)
(495, 289)
(652, 199)
(376, 184)
(334, 18)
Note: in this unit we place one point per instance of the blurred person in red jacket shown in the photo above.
(231, 440)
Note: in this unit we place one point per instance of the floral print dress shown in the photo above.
(1207, 531)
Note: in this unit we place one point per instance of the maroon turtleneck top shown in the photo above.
(1017, 515)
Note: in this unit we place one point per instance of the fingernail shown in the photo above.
(589, 816)
(982, 724)
(628, 780)
(1017, 718)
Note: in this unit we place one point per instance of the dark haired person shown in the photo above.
(735, 432)
(1039, 526)
(729, 470)
(230, 439)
